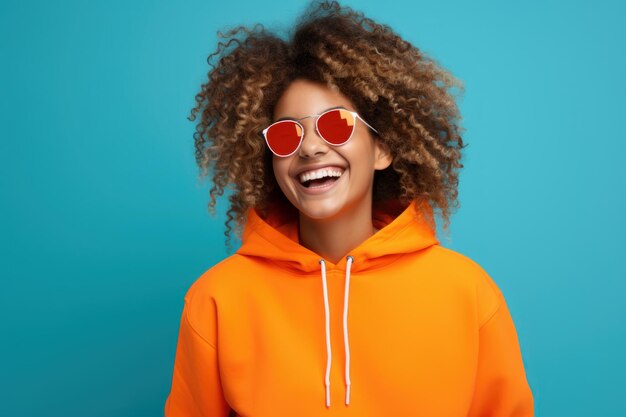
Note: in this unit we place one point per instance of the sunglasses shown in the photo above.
(335, 126)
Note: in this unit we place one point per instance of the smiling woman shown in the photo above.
(339, 144)
(404, 95)
(330, 210)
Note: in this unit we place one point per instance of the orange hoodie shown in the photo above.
(400, 326)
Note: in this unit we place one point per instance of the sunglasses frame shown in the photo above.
(296, 121)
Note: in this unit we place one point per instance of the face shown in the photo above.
(357, 160)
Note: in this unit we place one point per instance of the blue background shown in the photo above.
(104, 223)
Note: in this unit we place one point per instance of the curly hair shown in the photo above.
(393, 84)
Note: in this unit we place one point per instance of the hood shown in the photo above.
(275, 237)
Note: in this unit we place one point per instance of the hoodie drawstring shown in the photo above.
(349, 261)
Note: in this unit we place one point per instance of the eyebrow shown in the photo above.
(293, 118)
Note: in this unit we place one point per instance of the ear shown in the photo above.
(382, 155)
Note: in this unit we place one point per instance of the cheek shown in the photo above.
(281, 169)
(360, 156)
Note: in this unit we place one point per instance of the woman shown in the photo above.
(338, 144)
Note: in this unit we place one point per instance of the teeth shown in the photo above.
(320, 173)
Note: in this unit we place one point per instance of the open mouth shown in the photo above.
(320, 179)
(321, 182)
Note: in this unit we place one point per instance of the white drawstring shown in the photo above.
(346, 345)
(349, 261)
(328, 352)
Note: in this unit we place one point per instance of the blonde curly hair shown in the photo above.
(394, 85)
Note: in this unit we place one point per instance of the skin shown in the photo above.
(333, 223)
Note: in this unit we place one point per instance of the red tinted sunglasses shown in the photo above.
(335, 126)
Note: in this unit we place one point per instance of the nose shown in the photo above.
(312, 144)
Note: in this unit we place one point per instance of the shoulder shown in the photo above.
(217, 279)
(210, 290)
(488, 294)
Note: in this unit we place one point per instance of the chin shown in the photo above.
(317, 213)
(322, 209)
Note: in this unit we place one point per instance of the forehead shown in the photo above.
(303, 98)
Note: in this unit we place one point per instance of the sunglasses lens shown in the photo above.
(336, 126)
(284, 137)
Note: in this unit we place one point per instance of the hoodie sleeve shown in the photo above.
(196, 388)
(501, 388)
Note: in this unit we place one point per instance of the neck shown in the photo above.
(334, 238)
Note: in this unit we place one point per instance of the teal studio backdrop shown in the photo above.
(104, 223)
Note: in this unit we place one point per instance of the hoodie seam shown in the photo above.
(193, 329)
(491, 316)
